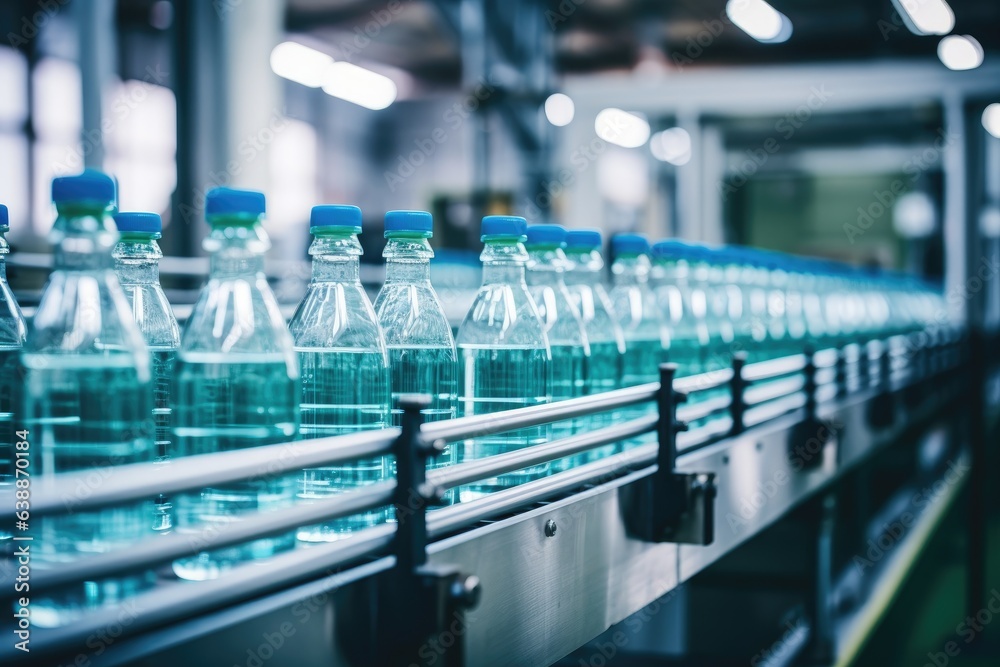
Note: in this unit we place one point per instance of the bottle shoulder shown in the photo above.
(412, 314)
(503, 314)
(13, 328)
(336, 315)
(84, 312)
(153, 315)
(237, 315)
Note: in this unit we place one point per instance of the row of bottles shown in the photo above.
(105, 376)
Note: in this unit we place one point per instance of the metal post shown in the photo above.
(412, 492)
(737, 387)
(666, 429)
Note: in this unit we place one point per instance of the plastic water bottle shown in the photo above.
(137, 264)
(345, 370)
(568, 340)
(88, 396)
(647, 340)
(585, 284)
(503, 353)
(683, 303)
(235, 382)
(422, 357)
(12, 332)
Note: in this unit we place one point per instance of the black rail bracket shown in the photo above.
(669, 505)
(421, 606)
(808, 439)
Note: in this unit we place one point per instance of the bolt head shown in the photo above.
(466, 590)
(550, 528)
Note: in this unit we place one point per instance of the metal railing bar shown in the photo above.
(772, 390)
(690, 412)
(690, 384)
(772, 410)
(165, 548)
(451, 430)
(702, 435)
(498, 503)
(491, 466)
(183, 600)
(772, 368)
(94, 488)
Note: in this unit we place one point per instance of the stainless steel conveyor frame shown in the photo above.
(524, 575)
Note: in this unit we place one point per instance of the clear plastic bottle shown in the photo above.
(647, 339)
(88, 395)
(568, 340)
(345, 370)
(585, 284)
(422, 357)
(235, 382)
(683, 303)
(12, 332)
(504, 356)
(137, 264)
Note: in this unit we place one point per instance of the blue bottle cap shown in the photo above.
(583, 239)
(135, 221)
(4, 217)
(546, 235)
(630, 244)
(409, 221)
(504, 225)
(229, 201)
(336, 215)
(90, 186)
(673, 249)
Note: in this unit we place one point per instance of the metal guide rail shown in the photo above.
(397, 591)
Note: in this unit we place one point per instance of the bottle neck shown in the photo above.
(237, 245)
(4, 250)
(671, 271)
(82, 236)
(631, 270)
(546, 265)
(335, 254)
(583, 265)
(503, 261)
(137, 260)
(408, 258)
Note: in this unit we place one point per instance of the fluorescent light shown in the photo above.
(759, 20)
(926, 17)
(359, 85)
(299, 63)
(991, 119)
(622, 128)
(673, 146)
(960, 52)
(559, 109)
